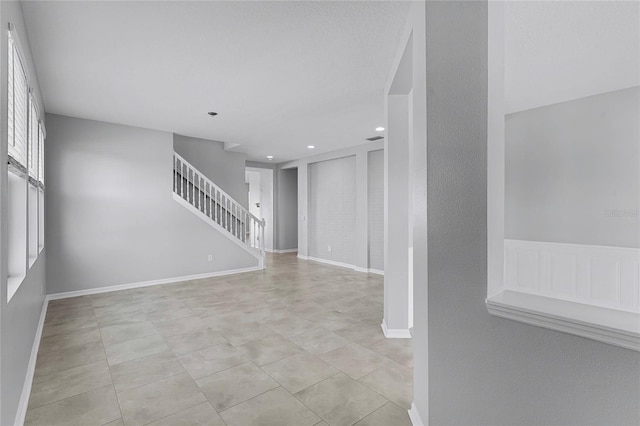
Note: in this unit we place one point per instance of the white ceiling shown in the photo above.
(556, 51)
(281, 75)
(284, 75)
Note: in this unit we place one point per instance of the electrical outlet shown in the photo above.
(210, 258)
(329, 249)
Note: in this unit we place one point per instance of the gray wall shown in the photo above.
(483, 369)
(19, 317)
(111, 218)
(572, 172)
(375, 199)
(224, 168)
(332, 209)
(286, 208)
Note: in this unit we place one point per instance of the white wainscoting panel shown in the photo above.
(607, 277)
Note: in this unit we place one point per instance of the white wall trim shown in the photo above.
(129, 286)
(31, 367)
(603, 276)
(395, 333)
(414, 415)
(293, 250)
(331, 262)
(606, 325)
(342, 265)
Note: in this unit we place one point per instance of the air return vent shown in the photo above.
(375, 138)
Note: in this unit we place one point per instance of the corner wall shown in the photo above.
(111, 218)
(18, 317)
(483, 369)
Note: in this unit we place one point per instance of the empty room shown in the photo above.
(319, 213)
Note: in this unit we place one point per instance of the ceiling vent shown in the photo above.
(375, 138)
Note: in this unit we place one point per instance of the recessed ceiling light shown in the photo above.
(310, 146)
(379, 129)
(269, 157)
(213, 114)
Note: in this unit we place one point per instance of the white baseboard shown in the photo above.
(395, 333)
(414, 416)
(31, 367)
(368, 270)
(342, 265)
(293, 250)
(331, 262)
(119, 287)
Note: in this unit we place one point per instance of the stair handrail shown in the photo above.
(178, 158)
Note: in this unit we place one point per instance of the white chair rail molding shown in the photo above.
(590, 291)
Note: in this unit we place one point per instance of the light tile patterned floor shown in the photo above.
(297, 344)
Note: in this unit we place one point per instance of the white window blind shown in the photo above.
(40, 153)
(17, 110)
(33, 139)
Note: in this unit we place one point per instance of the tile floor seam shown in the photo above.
(69, 397)
(113, 383)
(177, 412)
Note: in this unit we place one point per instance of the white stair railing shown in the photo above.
(200, 192)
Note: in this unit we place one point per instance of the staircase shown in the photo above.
(210, 203)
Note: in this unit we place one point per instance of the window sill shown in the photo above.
(13, 283)
(606, 325)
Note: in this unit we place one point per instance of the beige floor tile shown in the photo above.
(340, 400)
(399, 350)
(158, 316)
(67, 326)
(307, 309)
(180, 326)
(319, 340)
(245, 333)
(354, 360)
(387, 415)
(132, 317)
(69, 339)
(333, 320)
(148, 369)
(136, 348)
(160, 399)
(69, 303)
(118, 422)
(185, 343)
(123, 332)
(66, 383)
(96, 407)
(275, 407)
(63, 359)
(110, 309)
(214, 327)
(362, 333)
(201, 415)
(235, 385)
(55, 316)
(270, 349)
(299, 371)
(212, 360)
(290, 325)
(393, 381)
